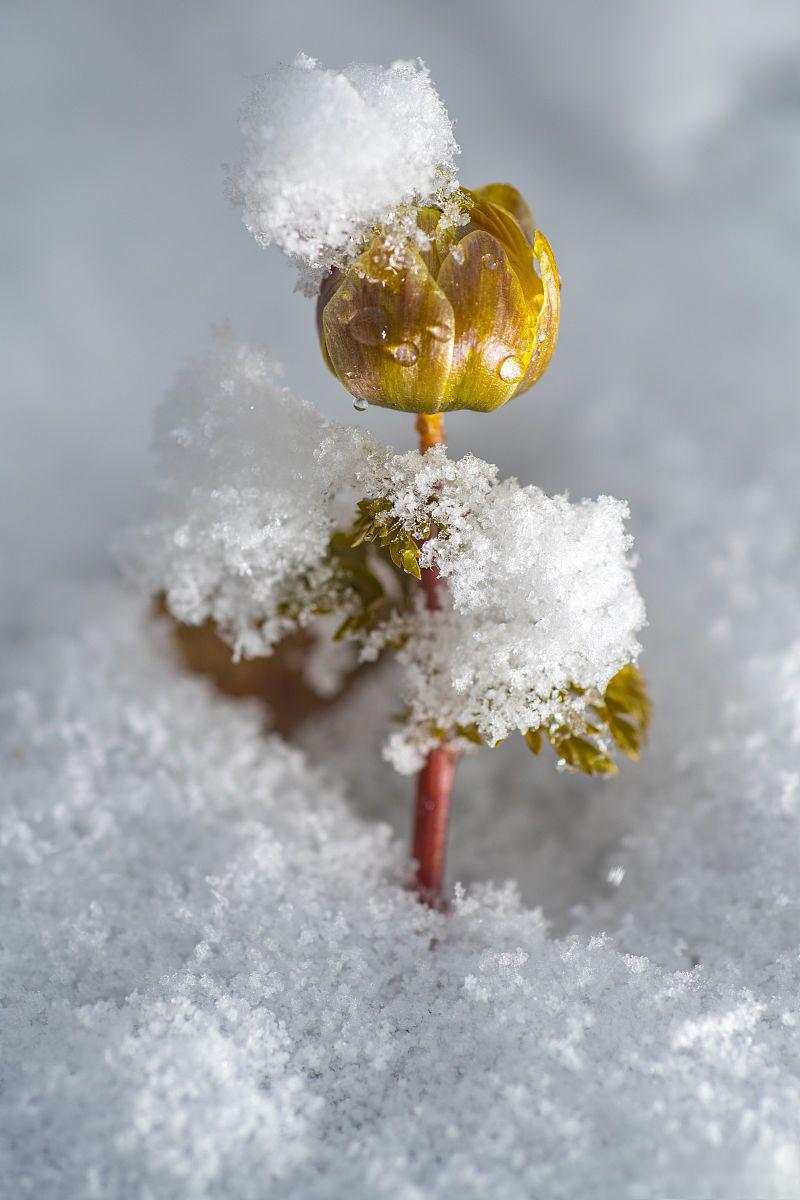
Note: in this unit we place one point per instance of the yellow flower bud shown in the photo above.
(468, 319)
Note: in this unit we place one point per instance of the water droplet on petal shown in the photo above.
(359, 405)
(440, 333)
(510, 369)
(406, 354)
(368, 326)
(489, 261)
(458, 254)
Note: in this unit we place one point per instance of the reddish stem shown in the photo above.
(434, 785)
(435, 780)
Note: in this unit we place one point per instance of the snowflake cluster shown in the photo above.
(543, 600)
(251, 483)
(330, 154)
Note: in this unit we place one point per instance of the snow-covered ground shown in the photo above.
(213, 981)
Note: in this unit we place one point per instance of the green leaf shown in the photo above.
(627, 736)
(627, 710)
(533, 738)
(628, 694)
(582, 755)
(470, 732)
(410, 560)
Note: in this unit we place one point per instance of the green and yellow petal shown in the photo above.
(494, 327)
(493, 219)
(389, 332)
(507, 197)
(546, 333)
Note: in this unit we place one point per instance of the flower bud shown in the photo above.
(465, 318)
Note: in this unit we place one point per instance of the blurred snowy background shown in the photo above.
(659, 148)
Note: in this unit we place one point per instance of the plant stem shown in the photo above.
(435, 780)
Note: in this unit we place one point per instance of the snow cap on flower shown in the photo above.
(333, 154)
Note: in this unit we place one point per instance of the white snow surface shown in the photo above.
(330, 154)
(216, 985)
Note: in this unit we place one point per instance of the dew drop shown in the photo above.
(405, 353)
(489, 261)
(440, 333)
(458, 254)
(369, 326)
(360, 405)
(510, 369)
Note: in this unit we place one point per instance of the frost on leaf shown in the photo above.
(331, 154)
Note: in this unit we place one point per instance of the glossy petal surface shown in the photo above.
(493, 325)
(327, 289)
(441, 241)
(507, 197)
(389, 333)
(502, 225)
(546, 334)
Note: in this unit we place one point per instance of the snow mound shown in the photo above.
(215, 985)
(330, 154)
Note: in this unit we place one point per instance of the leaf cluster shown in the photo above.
(621, 716)
(375, 524)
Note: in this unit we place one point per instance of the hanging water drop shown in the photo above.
(510, 369)
(360, 404)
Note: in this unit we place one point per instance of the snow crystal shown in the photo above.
(330, 154)
(216, 985)
(252, 482)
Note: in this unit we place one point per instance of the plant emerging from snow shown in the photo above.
(269, 516)
(431, 297)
